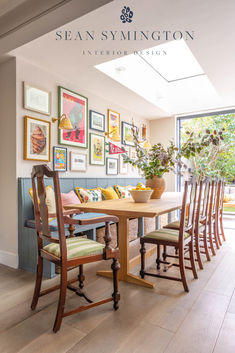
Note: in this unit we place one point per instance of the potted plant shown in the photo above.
(154, 162)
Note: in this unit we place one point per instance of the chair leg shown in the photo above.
(182, 270)
(222, 227)
(158, 262)
(197, 248)
(142, 252)
(192, 261)
(206, 245)
(211, 240)
(216, 236)
(37, 283)
(115, 267)
(60, 308)
(81, 277)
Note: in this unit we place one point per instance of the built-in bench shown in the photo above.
(27, 241)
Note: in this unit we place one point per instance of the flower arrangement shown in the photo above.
(155, 161)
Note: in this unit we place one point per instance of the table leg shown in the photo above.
(124, 274)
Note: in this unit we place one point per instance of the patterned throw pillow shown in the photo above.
(109, 194)
(88, 195)
(123, 191)
(50, 198)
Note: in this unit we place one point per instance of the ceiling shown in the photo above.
(211, 21)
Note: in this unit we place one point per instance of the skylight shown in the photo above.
(168, 76)
(173, 61)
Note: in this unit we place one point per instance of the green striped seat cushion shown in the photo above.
(165, 234)
(173, 225)
(76, 247)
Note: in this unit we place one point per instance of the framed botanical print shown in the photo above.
(97, 149)
(37, 139)
(37, 99)
(75, 107)
(111, 166)
(123, 167)
(127, 134)
(60, 159)
(97, 121)
(78, 162)
(113, 122)
(132, 153)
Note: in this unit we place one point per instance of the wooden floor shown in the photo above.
(161, 320)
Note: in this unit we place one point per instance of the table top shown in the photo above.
(170, 201)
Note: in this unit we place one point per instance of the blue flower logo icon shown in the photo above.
(126, 15)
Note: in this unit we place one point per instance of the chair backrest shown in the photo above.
(41, 209)
(213, 197)
(188, 207)
(202, 201)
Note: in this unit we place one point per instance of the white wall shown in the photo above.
(164, 130)
(47, 80)
(8, 182)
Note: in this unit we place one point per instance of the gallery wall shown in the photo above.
(40, 77)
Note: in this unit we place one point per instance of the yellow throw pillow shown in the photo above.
(123, 191)
(88, 195)
(109, 194)
(50, 198)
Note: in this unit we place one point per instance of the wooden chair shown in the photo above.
(67, 253)
(219, 211)
(177, 239)
(212, 216)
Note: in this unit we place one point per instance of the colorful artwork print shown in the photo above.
(97, 149)
(113, 122)
(127, 134)
(111, 166)
(60, 159)
(37, 135)
(74, 106)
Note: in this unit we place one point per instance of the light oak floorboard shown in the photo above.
(226, 342)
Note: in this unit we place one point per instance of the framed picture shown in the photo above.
(127, 134)
(37, 99)
(132, 153)
(78, 162)
(75, 107)
(60, 159)
(37, 139)
(97, 149)
(97, 121)
(113, 122)
(111, 166)
(123, 167)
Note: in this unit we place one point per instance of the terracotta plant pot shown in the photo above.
(158, 185)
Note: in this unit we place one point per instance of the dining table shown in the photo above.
(126, 209)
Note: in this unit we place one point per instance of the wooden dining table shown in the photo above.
(126, 209)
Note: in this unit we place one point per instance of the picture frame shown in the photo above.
(96, 121)
(96, 149)
(78, 162)
(127, 135)
(37, 139)
(60, 159)
(113, 122)
(111, 166)
(132, 153)
(75, 107)
(123, 167)
(37, 99)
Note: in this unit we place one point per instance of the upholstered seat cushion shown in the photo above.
(165, 234)
(76, 247)
(173, 225)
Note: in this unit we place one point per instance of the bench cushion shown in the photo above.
(76, 247)
(30, 223)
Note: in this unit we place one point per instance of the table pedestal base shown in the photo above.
(129, 277)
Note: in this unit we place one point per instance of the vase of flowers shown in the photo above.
(154, 162)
